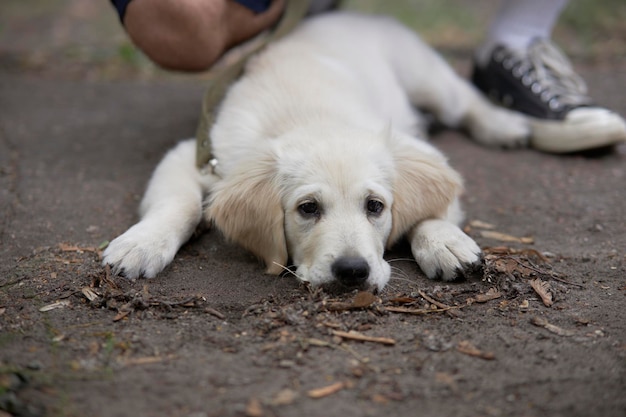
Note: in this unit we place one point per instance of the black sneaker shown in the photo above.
(542, 84)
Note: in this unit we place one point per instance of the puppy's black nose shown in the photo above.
(351, 271)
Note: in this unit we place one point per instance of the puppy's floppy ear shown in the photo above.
(247, 208)
(423, 188)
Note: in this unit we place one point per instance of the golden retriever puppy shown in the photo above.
(321, 160)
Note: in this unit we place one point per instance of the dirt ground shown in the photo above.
(213, 336)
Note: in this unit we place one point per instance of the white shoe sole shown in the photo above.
(583, 128)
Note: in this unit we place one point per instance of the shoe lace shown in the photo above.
(546, 66)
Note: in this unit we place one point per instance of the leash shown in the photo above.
(294, 11)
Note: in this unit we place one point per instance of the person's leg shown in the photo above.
(191, 35)
(520, 68)
(519, 23)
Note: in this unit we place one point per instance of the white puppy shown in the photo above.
(320, 160)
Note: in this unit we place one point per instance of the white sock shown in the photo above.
(518, 23)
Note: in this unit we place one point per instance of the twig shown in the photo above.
(147, 360)
(214, 312)
(74, 248)
(327, 390)
(541, 322)
(539, 271)
(432, 300)
(453, 313)
(363, 338)
(418, 311)
(467, 348)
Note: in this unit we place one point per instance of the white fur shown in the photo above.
(326, 116)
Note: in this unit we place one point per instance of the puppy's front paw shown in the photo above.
(143, 250)
(442, 250)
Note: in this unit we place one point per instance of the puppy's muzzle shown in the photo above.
(351, 271)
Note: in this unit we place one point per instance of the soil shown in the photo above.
(213, 336)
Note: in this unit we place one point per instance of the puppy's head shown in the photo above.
(332, 201)
(337, 202)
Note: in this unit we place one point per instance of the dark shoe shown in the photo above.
(543, 85)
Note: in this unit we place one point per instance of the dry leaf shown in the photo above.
(491, 294)
(503, 237)
(363, 299)
(121, 314)
(542, 288)
(402, 300)
(509, 265)
(505, 250)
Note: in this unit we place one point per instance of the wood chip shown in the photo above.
(55, 305)
(541, 322)
(121, 314)
(466, 347)
(352, 335)
(317, 342)
(481, 225)
(284, 397)
(503, 237)
(542, 288)
(327, 390)
(254, 408)
(89, 293)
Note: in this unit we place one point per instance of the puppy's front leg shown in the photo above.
(442, 250)
(170, 210)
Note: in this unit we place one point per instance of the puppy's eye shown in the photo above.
(375, 206)
(309, 209)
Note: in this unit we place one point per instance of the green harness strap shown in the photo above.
(295, 10)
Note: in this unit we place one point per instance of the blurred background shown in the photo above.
(83, 38)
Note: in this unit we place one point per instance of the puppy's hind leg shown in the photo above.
(434, 86)
(170, 211)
